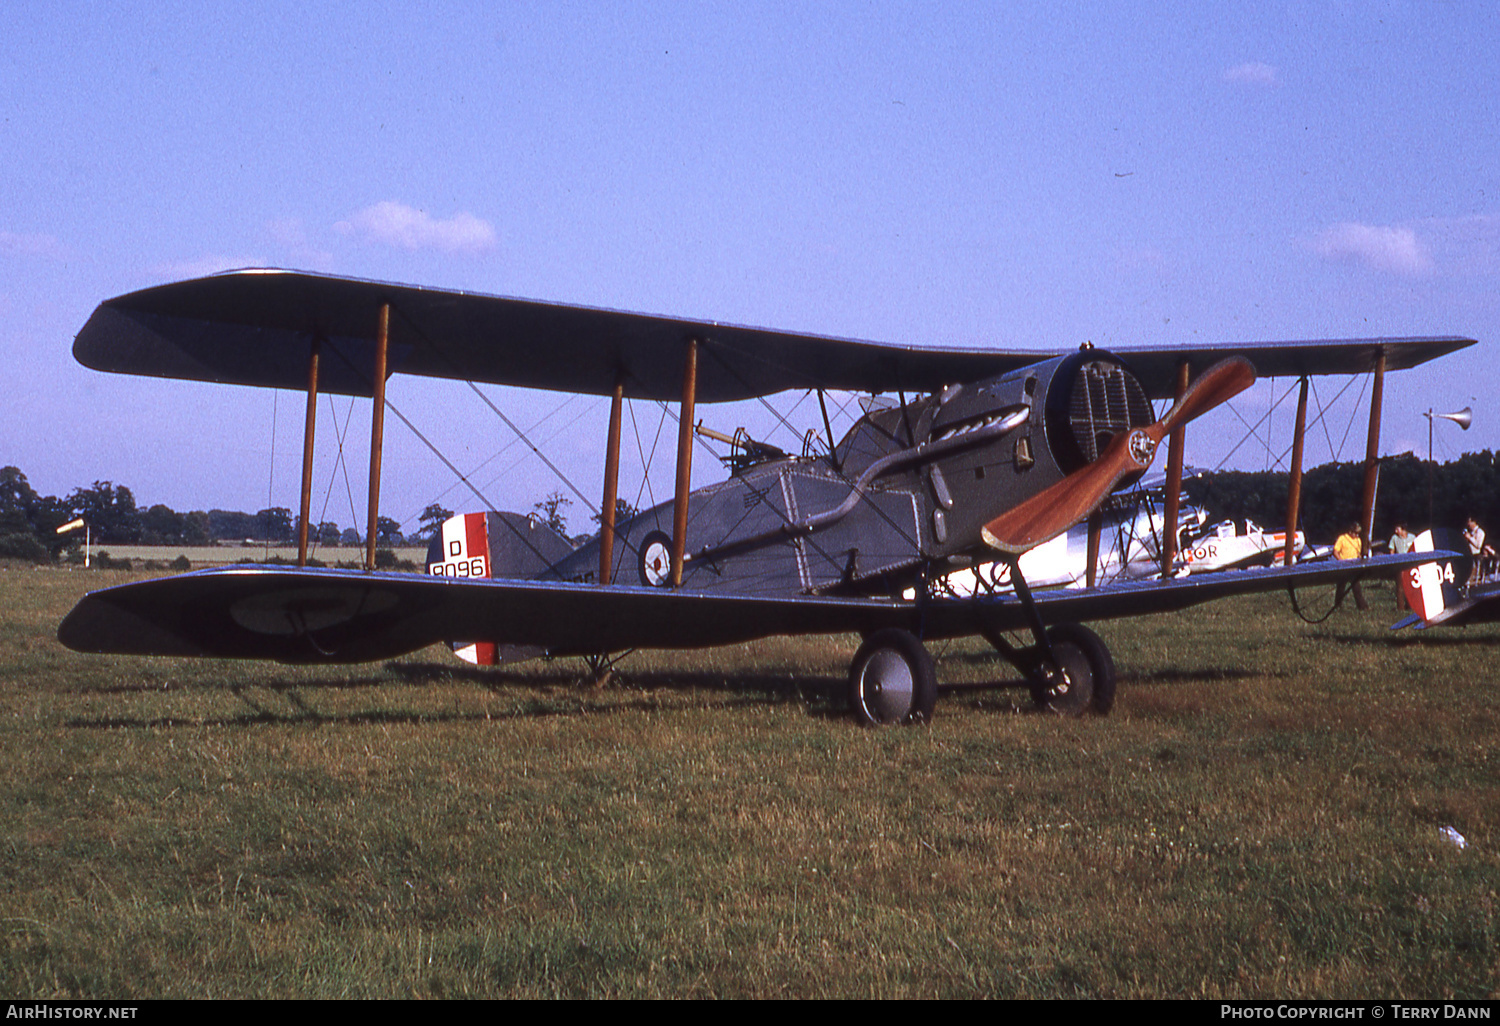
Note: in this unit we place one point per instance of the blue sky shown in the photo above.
(1015, 175)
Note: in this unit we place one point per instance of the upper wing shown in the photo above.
(1157, 367)
(346, 616)
(255, 327)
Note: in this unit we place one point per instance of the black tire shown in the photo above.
(1090, 671)
(892, 680)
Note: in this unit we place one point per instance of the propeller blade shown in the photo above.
(1220, 383)
(1053, 510)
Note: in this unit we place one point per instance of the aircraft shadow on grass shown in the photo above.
(819, 695)
(812, 692)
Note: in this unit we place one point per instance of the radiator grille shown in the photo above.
(1106, 400)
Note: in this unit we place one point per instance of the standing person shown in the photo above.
(1478, 550)
(1401, 543)
(1348, 546)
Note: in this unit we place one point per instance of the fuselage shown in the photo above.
(902, 496)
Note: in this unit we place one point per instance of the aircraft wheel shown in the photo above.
(892, 680)
(1089, 670)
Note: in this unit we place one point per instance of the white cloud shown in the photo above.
(33, 245)
(1379, 247)
(1253, 72)
(396, 224)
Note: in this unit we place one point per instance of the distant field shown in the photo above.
(1260, 817)
(216, 555)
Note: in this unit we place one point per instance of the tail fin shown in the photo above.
(472, 545)
(1423, 585)
(1437, 591)
(495, 545)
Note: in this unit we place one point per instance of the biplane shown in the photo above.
(986, 455)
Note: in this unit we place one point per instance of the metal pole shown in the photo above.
(611, 487)
(308, 428)
(1174, 480)
(1372, 452)
(1294, 486)
(377, 429)
(1430, 517)
(684, 461)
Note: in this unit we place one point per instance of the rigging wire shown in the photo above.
(1251, 430)
(551, 566)
(468, 379)
(1323, 410)
(339, 462)
(646, 461)
(587, 502)
(1355, 409)
(901, 530)
(1321, 415)
(503, 472)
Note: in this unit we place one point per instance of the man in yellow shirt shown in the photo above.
(1349, 546)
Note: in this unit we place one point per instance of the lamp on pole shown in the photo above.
(1463, 418)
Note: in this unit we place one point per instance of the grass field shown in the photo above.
(1259, 817)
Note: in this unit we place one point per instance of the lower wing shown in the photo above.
(350, 616)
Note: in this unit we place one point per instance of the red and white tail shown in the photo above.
(461, 548)
(1423, 585)
(506, 545)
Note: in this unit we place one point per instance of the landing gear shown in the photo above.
(1080, 677)
(892, 680)
(1069, 668)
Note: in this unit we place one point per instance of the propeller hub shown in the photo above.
(1142, 448)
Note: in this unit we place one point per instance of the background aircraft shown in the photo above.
(1128, 545)
(995, 453)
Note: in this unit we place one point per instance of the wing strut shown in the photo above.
(1174, 479)
(1372, 454)
(377, 428)
(611, 485)
(684, 461)
(1294, 485)
(307, 448)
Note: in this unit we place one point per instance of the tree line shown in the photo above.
(29, 522)
(1331, 494)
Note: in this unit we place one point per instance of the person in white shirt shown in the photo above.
(1478, 552)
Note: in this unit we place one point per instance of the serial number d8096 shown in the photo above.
(459, 568)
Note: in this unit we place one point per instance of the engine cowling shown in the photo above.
(1077, 404)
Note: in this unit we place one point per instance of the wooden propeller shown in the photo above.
(1053, 510)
